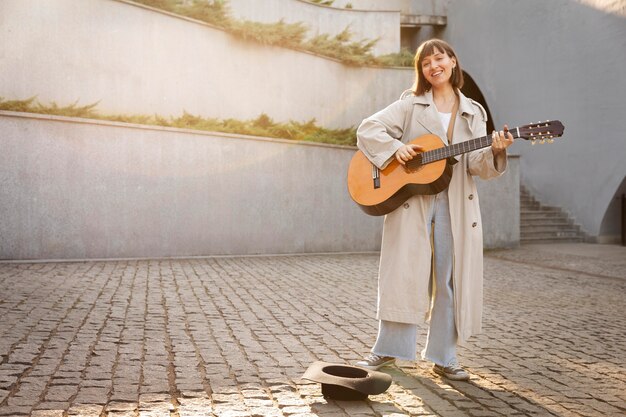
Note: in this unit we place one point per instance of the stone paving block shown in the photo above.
(47, 413)
(295, 409)
(53, 405)
(114, 406)
(270, 412)
(129, 337)
(21, 401)
(60, 393)
(120, 414)
(85, 410)
(224, 410)
(10, 410)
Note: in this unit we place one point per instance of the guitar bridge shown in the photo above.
(376, 176)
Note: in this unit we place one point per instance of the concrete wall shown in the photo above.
(500, 207)
(100, 190)
(383, 25)
(135, 60)
(74, 188)
(537, 60)
(415, 7)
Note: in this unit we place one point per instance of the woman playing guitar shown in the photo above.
(431, 256)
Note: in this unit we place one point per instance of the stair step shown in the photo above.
(528, 214)
(549, 228)
(550, 235)
(553, 240)
(545, 224)
(537, 219)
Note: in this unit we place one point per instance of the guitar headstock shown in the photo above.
(541, 131)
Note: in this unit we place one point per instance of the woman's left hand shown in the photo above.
(501, 140)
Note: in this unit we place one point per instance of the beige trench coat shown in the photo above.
(405, 261)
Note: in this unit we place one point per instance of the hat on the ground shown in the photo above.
(346, 382)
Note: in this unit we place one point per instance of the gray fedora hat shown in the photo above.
(346, 382)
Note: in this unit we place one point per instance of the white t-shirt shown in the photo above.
(445, 120)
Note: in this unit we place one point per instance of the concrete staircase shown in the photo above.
(545, 224)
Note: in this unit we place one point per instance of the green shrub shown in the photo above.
(340, 47)
(323, 2)
(290, 35)
(283, 34)
(404, 58)
(261, 126)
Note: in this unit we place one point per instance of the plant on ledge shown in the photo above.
(289, 35)
(261, 126)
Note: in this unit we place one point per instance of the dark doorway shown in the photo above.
(471, 90)
(613, 226)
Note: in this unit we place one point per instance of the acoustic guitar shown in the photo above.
(379, 192)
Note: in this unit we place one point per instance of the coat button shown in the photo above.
(471, 196)
(406, 205)
(474, 224)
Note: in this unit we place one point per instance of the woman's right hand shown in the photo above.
(407, 152)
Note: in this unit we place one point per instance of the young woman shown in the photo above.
(431, 262)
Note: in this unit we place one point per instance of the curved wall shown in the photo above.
(537, 60)
(383, 25)
(75, 189)
(135, 60)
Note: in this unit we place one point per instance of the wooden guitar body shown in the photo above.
(429, 172)
(397, 182)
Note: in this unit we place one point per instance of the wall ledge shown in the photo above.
(98, 122)
(304, 51)
(344, 9)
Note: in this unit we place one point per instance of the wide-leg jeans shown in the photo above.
(400, 339)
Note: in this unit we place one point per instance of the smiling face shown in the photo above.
(434, 63)
(437, 68)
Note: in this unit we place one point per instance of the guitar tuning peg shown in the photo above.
(532, 142)
(542, 141)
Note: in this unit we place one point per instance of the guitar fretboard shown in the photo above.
(457, 149)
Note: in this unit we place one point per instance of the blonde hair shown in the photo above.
(427, 48)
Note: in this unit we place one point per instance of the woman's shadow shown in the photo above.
(474, 397)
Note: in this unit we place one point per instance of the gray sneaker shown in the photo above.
(375, 362)
(453, 372)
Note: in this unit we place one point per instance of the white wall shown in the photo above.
(134, 60)
(101, 190)
(74, 188)
(414, 7)
(383, 25)
(537, 60)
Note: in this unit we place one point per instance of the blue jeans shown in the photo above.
(400, 339)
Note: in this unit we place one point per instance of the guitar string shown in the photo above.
(455, 149)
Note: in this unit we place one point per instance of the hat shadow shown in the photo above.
(327, 406)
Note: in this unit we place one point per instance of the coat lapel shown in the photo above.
(429, 117)
(467, 111)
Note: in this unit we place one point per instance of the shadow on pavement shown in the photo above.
(443, 396)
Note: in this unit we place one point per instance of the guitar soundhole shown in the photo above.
(414, 164)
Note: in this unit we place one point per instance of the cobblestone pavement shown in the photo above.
(232, 336)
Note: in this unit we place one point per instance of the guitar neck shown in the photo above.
(461, 148)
